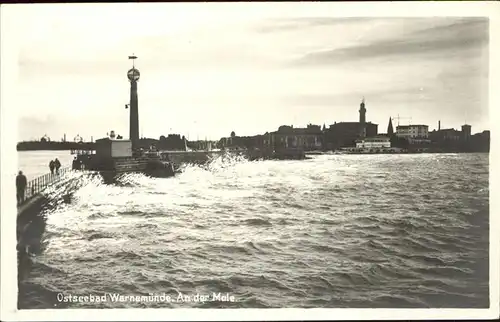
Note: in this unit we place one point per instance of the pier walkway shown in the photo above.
(35, 187)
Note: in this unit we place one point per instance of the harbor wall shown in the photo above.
(180, 157)
(139, 164)
(30, 228)
(131, 164)
(174, 159)
(27, 213)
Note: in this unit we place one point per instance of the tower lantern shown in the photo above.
(133, 76)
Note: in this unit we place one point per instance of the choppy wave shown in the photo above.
(334, 231)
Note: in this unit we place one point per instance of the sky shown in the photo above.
(207, 70)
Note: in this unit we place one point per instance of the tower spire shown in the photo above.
(133, 57)
(390, 129)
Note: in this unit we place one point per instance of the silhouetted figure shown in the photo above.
(57, 164)
(21, 184)
(77, 164)
(52, 165)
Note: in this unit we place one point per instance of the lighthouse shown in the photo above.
(133, 76)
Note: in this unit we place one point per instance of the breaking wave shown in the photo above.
(334, 231)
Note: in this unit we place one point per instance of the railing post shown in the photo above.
(39, 183)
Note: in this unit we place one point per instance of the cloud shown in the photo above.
(471, 26)
(35, 126)
(461, 35)
(354, 96)
(250, 75)
(291, 24)
(56, 125)
(184, 49)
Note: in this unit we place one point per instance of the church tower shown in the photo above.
(362, 119)
(362, 112)
(390, 129)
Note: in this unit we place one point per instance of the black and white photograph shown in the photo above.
(269, 155)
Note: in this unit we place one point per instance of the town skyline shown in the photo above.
(69, 137)
(269, 69)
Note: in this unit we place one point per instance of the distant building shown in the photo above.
(466, 132)
(240, 142)
(345, 134)
(307, 139)
(170, 142)
(461, 141)
(201, 145)
(412, 131)
(484, 134)
(445, 134)
(451, 134)
(377, 142)
(147, 143)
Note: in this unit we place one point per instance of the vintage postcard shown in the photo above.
(249, 161)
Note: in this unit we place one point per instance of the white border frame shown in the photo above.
(8, 167)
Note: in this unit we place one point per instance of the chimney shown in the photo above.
(439, 125)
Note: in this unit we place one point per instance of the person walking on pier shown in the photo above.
(52, 165)
(21, 183)
(57, 164)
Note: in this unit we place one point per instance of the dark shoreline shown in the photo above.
(54, 146)
(395, 153)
